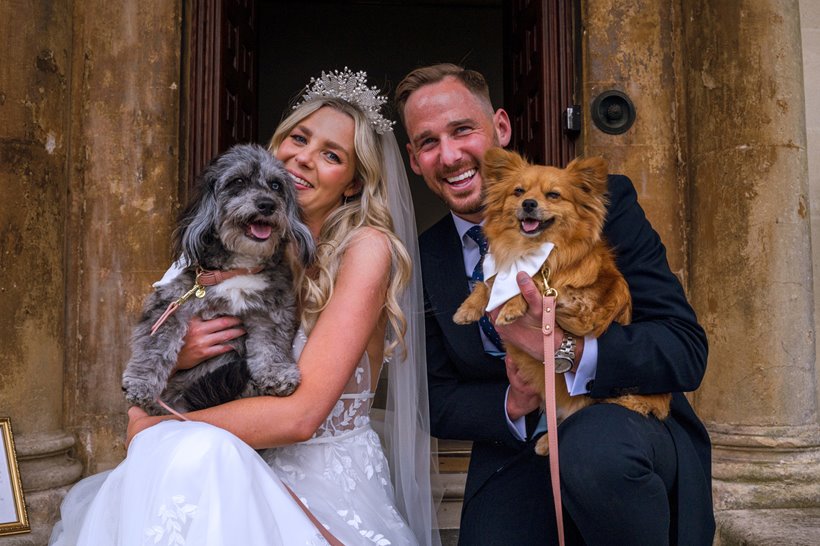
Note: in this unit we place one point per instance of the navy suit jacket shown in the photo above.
(663, 350)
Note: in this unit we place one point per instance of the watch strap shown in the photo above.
(565, 354)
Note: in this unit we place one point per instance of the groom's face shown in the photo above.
(450, 129)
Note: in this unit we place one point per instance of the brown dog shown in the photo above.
(530, 205)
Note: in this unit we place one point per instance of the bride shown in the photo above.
(320, 474)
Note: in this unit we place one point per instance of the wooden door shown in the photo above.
(540, 77)
(221, 101)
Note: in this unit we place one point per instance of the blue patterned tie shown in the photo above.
(476, 234)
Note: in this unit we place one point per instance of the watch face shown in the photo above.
(562, 364)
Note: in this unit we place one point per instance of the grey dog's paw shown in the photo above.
(138, 391)
(280, 382)
(150, 405)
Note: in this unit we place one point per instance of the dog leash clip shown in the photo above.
(545, 276)
(198, 290)
(199, 286)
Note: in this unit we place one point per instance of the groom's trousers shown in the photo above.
(617, 474)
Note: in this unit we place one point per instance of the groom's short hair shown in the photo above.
(474, 81)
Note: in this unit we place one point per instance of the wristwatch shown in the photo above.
(565, 355)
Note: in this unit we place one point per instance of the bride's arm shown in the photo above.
(333, 350)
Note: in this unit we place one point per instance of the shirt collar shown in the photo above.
(462, 226)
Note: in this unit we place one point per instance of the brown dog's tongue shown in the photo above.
(530, 225)
(260, 231)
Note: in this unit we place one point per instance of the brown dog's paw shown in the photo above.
(472, 309)
(542, 446)
(646, 404)
(467, 314)
(514, 309)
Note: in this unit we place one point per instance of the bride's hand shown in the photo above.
(206, 339)
(138, 421)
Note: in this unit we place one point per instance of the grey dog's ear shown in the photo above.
(196, 229)
(305, 245)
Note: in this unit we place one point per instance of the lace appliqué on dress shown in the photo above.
(342, 469)
(355, 521)
(174, 521)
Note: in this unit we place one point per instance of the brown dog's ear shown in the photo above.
(591, 173)
(498, 164)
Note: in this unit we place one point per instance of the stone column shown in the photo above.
(123, 201)
(34, 143)
(639, 59)
(751, 272)
(89, 166)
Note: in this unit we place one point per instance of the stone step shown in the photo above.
(454, 458)
(773, 527)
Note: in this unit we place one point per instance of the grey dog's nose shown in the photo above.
(529, 205)
(265, 206)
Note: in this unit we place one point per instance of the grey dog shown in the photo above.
(243, 220)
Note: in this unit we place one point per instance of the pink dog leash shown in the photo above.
(171, 410)
(547, 328)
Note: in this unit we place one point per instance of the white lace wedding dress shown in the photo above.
(188, 483)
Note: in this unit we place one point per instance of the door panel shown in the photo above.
(540, 76)
(222, 78)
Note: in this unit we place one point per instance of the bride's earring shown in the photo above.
(357, 192)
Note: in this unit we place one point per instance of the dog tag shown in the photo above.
(200, 292)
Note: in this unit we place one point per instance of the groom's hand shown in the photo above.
(522, 398)
(525, 332)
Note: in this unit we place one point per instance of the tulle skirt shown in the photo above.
(188, 483)
(184, 483)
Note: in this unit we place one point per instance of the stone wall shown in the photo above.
(122, 200)
(718, 153)
(810, 32)
(751, 254)
(631, 46)
(35, 119)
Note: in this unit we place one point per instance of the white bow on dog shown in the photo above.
(505, 285)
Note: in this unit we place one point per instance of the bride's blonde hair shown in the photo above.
(367, 209)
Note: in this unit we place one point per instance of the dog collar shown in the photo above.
(204, 277)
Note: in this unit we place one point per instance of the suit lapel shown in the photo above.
(447, 288)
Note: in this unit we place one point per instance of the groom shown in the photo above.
(625, 479)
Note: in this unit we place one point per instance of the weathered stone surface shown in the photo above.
(34, 123)
(630, 46)
(751, 260)
(123, 198)
(797, 527)
(89, 150)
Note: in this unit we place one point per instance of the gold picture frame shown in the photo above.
(13, 515)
